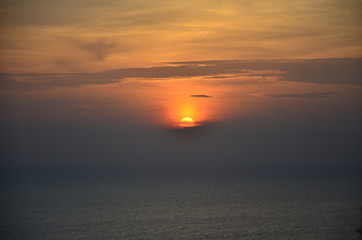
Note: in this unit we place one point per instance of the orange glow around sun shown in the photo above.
(183, 110)
(186, 112)
(187, 122)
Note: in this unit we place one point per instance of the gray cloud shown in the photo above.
(99, 48)
(303, 95)
(320, 71)
(231, 82)
(200, 96)
(218, 77)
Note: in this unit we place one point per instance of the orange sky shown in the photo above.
(291, 89)
(89, 36)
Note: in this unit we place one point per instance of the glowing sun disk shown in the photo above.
(187, 122)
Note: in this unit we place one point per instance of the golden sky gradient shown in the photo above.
(94, 35)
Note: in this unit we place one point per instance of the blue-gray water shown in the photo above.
(180, 203)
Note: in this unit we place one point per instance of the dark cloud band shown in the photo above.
(200, 96)
(320, 71)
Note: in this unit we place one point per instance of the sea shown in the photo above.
(179, 203)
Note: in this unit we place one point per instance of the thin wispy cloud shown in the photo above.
(99, 48)
(303, 95)
(320, 71)
(200, 96)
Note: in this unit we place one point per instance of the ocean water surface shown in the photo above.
(180, 203)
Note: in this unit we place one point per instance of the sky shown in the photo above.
(104, 83)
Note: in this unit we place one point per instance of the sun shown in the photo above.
(187, 122)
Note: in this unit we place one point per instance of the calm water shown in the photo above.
(179, 203)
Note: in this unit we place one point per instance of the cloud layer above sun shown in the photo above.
(94, 35)
(217, 73)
